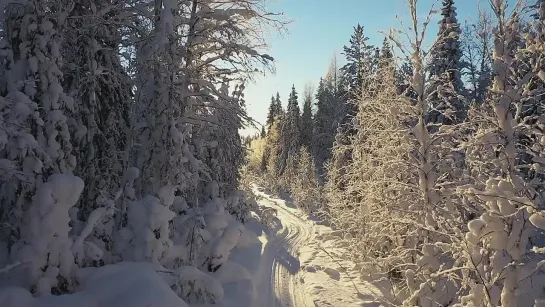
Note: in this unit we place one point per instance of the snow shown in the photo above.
(305, 264)
(124, 284)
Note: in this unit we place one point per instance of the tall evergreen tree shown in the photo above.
(102, 99)
(273, 156)
(278, 105)
(331, 113)
(272, 113)
(289, 136)
(291, 125)
(306, 121)
(322, 127)
(444, 69)
(35, 134)
(360, 63)
(385, 60)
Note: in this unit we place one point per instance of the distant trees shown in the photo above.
(476, 43)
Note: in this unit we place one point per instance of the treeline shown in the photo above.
(430, 161)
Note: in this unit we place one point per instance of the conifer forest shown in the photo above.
(412, 173)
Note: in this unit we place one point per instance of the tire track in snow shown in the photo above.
(282, 287)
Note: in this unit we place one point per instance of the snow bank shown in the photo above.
(123, 284)
(45, 241)
(237, 273)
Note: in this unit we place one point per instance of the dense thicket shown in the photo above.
(119, 136)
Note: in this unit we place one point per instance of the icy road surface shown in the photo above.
(295, 271)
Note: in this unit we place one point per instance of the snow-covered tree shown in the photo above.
(272, 113)
(101, 88)
(500, 240)
(444, 70)
(306, 122)
(369, 176)
(360, 66)
(538, 12)
(36, 139)
(291, 133)
(331, 112)
(304, 186)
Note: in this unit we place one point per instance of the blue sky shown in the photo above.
(320, 29)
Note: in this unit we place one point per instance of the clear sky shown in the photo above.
(320, 29)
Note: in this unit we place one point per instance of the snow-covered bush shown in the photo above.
(147, 231)
(304, 186)
(196, 286)
(222, 247)
(45, 247)
(240, 204)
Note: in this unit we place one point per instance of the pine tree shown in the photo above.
(322, 126)
(263, 133)
(278, 110)
(102, 91)
(360, 64)
(306, 121)
(444, 69)
(37, 145)
(385, 60)
(290, 133)
(272, 113)
(331, 113)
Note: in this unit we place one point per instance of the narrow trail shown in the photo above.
(296, 271)
(278, 276)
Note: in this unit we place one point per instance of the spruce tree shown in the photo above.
(37, 145)
(385, 60)
(360, 64)
(322, 126)
(331, 113)
(272, 113)
(291, 130)
(278, 105)
(306, 121)
(102, 99)
(444, 69)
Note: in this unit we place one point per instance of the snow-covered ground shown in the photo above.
(303, 264)
(282, 259)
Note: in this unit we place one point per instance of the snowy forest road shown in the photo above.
(277, 278)
(304, 263)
